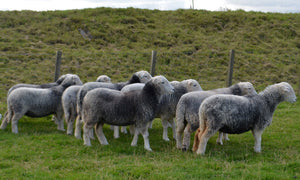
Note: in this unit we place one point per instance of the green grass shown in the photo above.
(190, 44)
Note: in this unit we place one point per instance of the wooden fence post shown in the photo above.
(230, 68)
(299, 86)
(153, 62)
(57, 65)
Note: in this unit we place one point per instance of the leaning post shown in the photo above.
(230, 68)
(57, 65)
(153, 62)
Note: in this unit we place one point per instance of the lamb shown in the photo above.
(69, 102)
(138, 77)
(168, 103)
(187, 120)
(238, 114)
(36, 102)
(116, 108)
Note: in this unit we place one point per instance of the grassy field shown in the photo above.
(190, 44)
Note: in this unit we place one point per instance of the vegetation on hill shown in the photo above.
(190, 44)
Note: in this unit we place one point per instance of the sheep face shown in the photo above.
(163, 85)
(287, 91)
(192, 85)
(71, 80)
(103, 78)
(247, 88)
(144, 76)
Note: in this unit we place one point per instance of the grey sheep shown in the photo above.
(138, 77)
(187, 119)
(36, 102)
(69, 102)
(105, 106)
(239, 114)
(168, 103)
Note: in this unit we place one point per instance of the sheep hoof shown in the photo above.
(87, 145)
(183, 149)
(148, 149)
(166, 139)
(220, 143)
(257, 150)
(133, 144)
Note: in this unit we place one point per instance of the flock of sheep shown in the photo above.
(142, 98)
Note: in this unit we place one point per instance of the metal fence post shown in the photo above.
(153, 62)
(57, 65)
(230, 68)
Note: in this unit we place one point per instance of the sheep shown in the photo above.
(168, 103)
(138, 77)
(187, 111)
(36, 102)
(239, 114)
(69, 102)
(42, 86)
(103, 78)
(116, 108)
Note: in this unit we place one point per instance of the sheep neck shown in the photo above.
(272, 97)
(151, 95)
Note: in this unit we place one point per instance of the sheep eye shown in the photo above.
(163, 82)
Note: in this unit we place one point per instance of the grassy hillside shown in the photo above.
(190, 44)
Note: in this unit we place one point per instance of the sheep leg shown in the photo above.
(220, 138)
(70, 128)
(226, 137)
(5, 120)
(100, 135)
(60, 121)
(86, 134)
(150, 125)
(165, 125)
(186, 137)
(135, 137)
(179, 132)
(78, 125)
(172, 123)
(112, 127)
(132, 129)
(14, 122)
(145, 134)
(196, 140)
(257, 136)
(116, 132)
(92, 134)
(208, 133)
(123, 130)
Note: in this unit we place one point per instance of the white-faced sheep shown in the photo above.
(103, 78)
(187, 119)
(168, 102)
(36, 102)
(238, 114)
(138, 77)
(105, 106)
(69, 102)
(41, 86)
